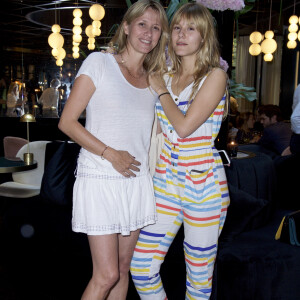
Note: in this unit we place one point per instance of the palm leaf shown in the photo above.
(128, 2)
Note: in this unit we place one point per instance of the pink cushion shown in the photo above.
(12, 145)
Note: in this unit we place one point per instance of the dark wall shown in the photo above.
(225, 25)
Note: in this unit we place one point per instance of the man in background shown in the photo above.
(49, 100)
(276, 134)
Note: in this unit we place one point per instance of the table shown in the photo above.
(241, 154)
(253, 173)
(16, 165)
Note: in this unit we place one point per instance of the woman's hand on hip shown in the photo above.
(123, 162)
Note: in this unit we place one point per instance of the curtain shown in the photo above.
(271, 74)
(245, 70)
(267, 75)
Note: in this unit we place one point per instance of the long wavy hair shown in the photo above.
(155, 60)
(208, 55)
(13, 88)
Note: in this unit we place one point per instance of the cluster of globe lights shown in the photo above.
(56, 40)
(268, 45)
(96, 13)
(293, 28)
(77, 38)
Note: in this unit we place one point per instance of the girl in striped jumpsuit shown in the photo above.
(189, 181)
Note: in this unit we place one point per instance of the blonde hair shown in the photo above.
(12, 87)
(208, 55)
(155, 60)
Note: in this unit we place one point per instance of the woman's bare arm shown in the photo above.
(205, 102)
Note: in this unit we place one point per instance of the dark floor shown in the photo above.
(54, 263)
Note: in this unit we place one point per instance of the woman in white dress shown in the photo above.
(113, 194)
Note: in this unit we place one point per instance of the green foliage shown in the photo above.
(173, 6)
(111, 32)
(128, 2)
(82, 53)
(238, 91)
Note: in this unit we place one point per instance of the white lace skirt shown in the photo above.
(109, 204)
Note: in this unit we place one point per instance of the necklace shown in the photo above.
(127, 69)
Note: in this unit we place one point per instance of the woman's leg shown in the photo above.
(152, 246)
(104, 251)
(126, 248)
(203, 223)
(201, 232)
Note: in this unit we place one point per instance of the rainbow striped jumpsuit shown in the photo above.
(190, 188)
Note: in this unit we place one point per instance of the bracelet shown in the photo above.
(103, 152)
(166, 93)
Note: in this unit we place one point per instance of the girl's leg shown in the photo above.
(104, 251)
(152, 246)
(201, 231)
(126, 248)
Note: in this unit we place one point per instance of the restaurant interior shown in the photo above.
(40, 256)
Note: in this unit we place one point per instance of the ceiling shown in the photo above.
(268, 14)
(26, 24)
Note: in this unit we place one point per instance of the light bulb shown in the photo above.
(269, 34)
(293, 28)
(77, 12)
(255, 49)
(293, 19)
(55, 28)
(77, 30)
(77, 38)
(268, 57)
(59, 62)
(255, 37)
(268, 46)
(56, 40)
(77, 21)
(91, 40)
(96, 12)
(88, 31)
(91, 46)
(61, 54)
(75, 49)
(54, 52)
(291, 44)
(292, 36)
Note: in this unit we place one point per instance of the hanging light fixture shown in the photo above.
(255, 38)
(269, 45)
(91, 39)
(56, 42)
(97, 13)
(96, 28)
(77, 38)
(293, 28)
